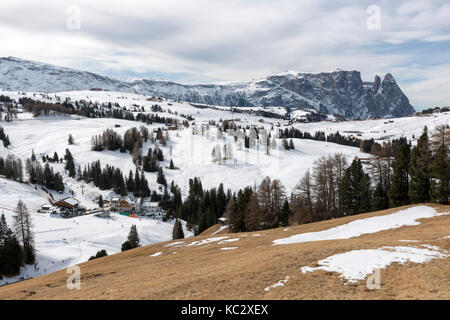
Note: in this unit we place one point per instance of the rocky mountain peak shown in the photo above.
(342, 93)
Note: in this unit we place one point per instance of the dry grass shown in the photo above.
(206, 272)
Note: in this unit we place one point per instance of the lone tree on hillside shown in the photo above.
(133, 240)
(177, 232)
(70, 140)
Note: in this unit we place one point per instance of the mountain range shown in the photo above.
(340, 93)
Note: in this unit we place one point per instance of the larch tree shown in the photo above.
(23, 230)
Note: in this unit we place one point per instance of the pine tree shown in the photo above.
(70, 140)
(354, 190)
(171, 166)
(161, 179)
(70, 165)
(180, 230)
(100, 201)
(11, 258)
(177, 232)
(398, 190)
(440, 168)
(380, 200)
(283, 216)
(365, 194)
(419, 184)
(130, 183)
(133, 240)
(144, 190)
(3, 229)
(291, 144)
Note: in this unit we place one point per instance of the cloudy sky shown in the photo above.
(194, 41)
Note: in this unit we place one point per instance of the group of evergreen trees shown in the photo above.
(112, 178)
(288, 146)
(99, 254)
(11, 168)
(415, 175)
(200, 209)
(150, 162)
(320, 136)
(111, 140)
(4, 137)
(91, 110)
(44, 176)
(138, 184)
(258, 208)
(422, 174)
(16, 247)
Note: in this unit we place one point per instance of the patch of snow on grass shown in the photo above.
(174, 244)
(356, 265)
(229, 248)
(156, 254)
(219, 230)
(229, 240)
(430, 247)
(205, 241)
(407, 217)
(280, 283)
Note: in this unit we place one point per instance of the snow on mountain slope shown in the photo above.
(380, 129)
(340, 92)
(25, 75)
(191, 153)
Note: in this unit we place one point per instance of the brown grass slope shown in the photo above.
(206, 272)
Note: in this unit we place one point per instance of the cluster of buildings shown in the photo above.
(71, 207)
(67, 205)
(133, 205)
